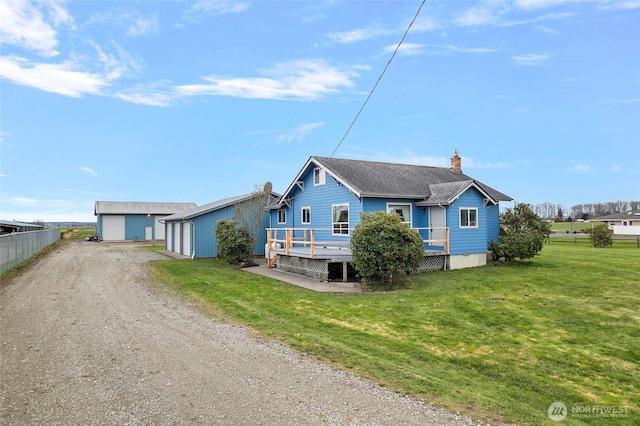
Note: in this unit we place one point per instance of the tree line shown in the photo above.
(556, 212)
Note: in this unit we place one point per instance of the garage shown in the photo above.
(134, 221)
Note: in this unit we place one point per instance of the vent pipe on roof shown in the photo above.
(456, 162)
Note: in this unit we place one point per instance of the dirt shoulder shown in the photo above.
(84, 340)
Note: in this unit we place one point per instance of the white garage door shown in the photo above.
(159, 228)
(169, 227)
(176, 237)
(113, 228)
(186, 239)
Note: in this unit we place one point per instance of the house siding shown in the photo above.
(493, 223)
(468, 240)
(320, 198)
(134, 226)
(203, 237)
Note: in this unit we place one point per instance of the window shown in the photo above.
(402, 210)
(282, 216)
(468, 217)
(319, 177)
(340, 219)
(306, 215)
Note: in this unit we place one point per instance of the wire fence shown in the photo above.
(622, 242)
(17, 247)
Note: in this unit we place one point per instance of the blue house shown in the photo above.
(192, 232)
(311, 225)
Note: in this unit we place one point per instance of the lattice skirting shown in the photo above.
(431, 263)
(314, 268)
(319, 268)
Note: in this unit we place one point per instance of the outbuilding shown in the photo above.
(9, 227)
(192, 232)
(128, 220)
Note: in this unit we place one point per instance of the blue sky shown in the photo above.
(194, 101)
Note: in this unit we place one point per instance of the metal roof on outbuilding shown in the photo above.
(198, 211)
(216, 205)
(133, 207)
(11, 223)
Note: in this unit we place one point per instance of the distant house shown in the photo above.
(127, 220)
(311, 225)
(621, 223)
(192, 232)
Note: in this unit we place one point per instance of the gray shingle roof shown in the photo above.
(133, 207)
(378, 179)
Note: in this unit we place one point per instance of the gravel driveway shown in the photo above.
(85, 341)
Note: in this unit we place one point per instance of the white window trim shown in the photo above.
(284, 213)
(460, 217)
(302, 215)
(322, 177)
(408, 222)
(333, 231)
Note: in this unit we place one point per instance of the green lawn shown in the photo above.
(498, 342)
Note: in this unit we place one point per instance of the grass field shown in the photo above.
(500, 342)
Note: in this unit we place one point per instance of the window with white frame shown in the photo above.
(469, 217)
(282, 216)
(402, 210)
(340, 219)
(306, 215)
(319, 176)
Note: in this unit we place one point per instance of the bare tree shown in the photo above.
(250, 213)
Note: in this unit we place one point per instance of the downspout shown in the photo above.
(193, 239)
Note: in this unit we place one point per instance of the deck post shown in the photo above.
(312, 233)
(344, 272)
(269, 239)
(447, 243)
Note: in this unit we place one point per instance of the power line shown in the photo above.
(379, 78)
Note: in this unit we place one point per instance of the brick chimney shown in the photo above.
(456, 163)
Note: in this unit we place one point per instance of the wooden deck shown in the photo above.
(281, 241)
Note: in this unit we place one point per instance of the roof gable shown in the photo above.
(392, 180)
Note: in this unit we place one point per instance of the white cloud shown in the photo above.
(421, 24)
(115, 65)
(143, 96)
(620, 4)
(580, 168)
(298, 133)
(133, 21)
(214, 8)
(541, 4)
(64, 78)
(32, 25)
(23, 201)
(88, 171)
(435, 49)
(301, 80)
(531, 59)
(361, 34)
(476, 16)
(410, 49)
